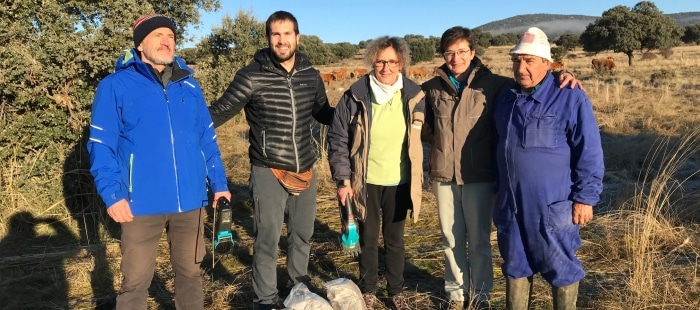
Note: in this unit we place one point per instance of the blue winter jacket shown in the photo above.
(154, 146)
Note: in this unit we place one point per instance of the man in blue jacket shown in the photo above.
(153, 152)
(549, 163)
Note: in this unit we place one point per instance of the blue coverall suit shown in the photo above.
(548, 156)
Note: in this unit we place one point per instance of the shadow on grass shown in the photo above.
(33, 256)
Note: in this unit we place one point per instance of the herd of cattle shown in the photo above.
(422, 72)
(344, 73)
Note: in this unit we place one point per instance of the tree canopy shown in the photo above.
(625, 30)
(504, 39)
(691, 35)
(53, 55)
(568, 41)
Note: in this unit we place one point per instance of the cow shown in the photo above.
(557, 65)
(358, 72)
(340, 74)
(327, 78)
(608, 63)
(417, 72)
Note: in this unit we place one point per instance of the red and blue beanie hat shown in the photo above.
(147, 23)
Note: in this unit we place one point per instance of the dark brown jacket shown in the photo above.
(348, 141)
(459, 128)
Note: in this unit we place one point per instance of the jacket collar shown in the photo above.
(360, 89)
(131, 60)
(265, 58)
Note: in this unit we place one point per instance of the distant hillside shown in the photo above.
(555, 25)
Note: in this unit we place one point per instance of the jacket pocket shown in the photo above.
(263, 142)
(560, 217)
(540, 131)
(356, 136)
(437, 160)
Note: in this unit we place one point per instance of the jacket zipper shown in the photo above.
(294, 122)
(509, 154)
(263, 137)
(172, 148)
(131, 174)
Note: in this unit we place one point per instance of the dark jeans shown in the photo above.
(272, 203)
(139, 246)
(388, 204)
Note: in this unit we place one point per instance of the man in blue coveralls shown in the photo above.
(550, 175)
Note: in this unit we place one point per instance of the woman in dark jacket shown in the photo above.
(376, 157)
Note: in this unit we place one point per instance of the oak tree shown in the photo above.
(623, 30)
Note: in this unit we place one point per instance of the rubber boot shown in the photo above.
(564, 298)
(518, 293)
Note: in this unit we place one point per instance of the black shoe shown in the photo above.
(276, 304)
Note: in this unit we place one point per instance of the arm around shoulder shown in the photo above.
(237, 95)
(322, 110)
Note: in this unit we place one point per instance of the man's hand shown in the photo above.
(120, 212)
(582, 213)
(218, 195)
(343, 192)
(566, 78)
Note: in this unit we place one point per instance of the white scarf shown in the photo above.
(382, 93)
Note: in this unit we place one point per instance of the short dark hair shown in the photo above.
(280, 16)
(454, 34)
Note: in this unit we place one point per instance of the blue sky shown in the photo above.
(356, 20)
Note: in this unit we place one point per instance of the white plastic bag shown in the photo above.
(300, 298)
(345, 295)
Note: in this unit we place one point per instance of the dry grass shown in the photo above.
(640, 252)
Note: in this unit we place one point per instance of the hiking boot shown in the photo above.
(398, 302)
(277, 303)
(370, 299)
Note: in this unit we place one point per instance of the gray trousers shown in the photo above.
(465, 221)
(272, 204)
(139, 246)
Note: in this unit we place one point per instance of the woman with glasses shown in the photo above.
(376, 157)
(459, 128)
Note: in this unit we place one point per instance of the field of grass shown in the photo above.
(641, 251)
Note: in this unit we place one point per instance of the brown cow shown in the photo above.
(340, 74)
(358, 72)
(417, 72)
(608, 63)
(327, 78)
(557, 65)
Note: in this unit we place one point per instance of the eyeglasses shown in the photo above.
(459, 53)
(391, 63)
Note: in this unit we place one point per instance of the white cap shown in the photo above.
(533, 42)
